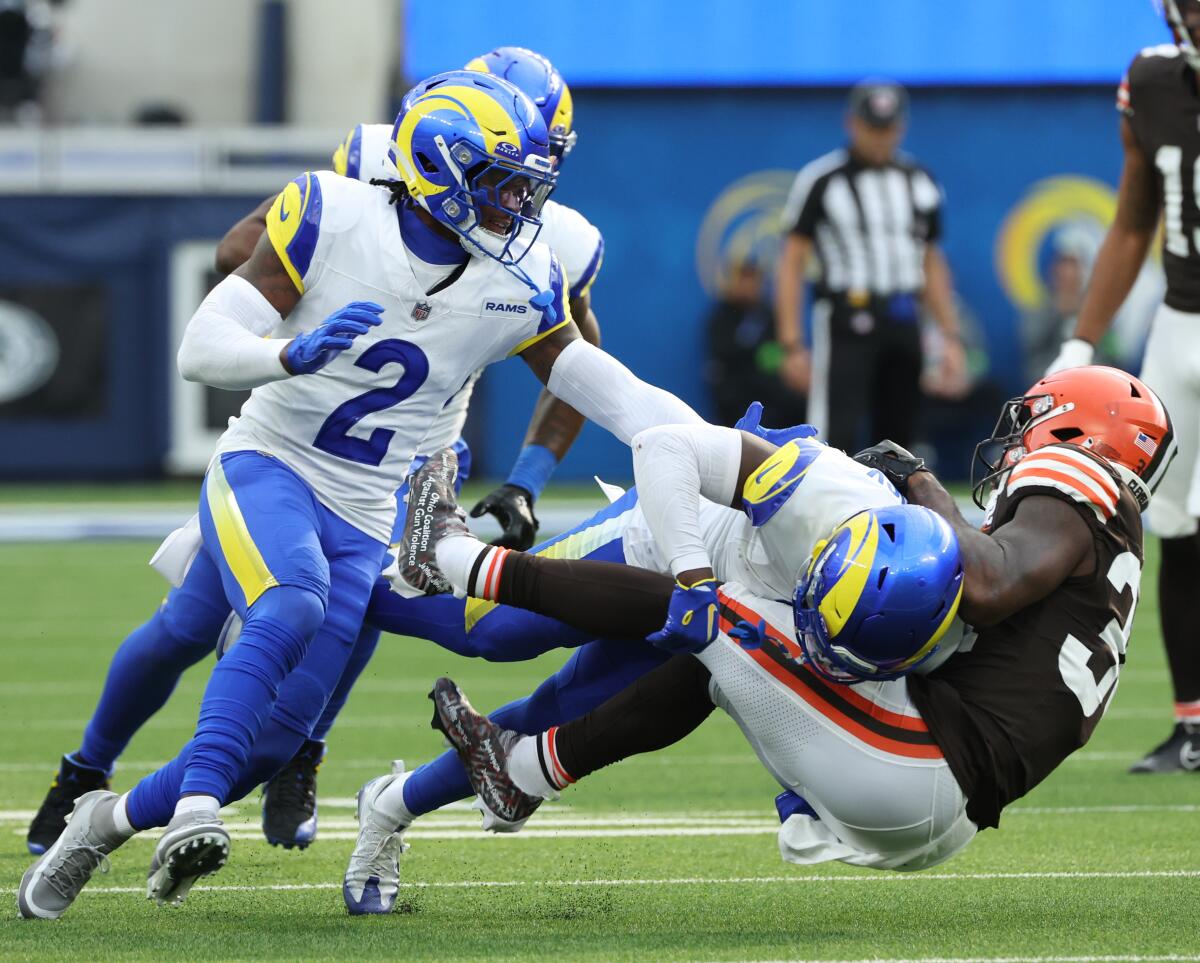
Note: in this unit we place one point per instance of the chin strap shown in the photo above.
(1141, 491)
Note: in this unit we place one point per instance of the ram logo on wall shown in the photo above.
(52, 351)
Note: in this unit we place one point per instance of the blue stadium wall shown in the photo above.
(649, 166)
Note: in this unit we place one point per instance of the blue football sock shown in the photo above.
(594, 673)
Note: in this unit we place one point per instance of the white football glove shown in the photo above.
(1075, 353)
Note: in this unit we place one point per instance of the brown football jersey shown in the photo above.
(1159, 96)
(1020, 697)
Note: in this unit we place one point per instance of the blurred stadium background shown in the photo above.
(138, 131)
(133, 133)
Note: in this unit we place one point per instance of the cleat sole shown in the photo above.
(196, 858)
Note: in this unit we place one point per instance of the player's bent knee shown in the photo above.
(300, 609)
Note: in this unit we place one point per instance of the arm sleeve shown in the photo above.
(603, 390)
(225, 344)
(674, 467)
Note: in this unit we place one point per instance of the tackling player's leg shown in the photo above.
(289, 805)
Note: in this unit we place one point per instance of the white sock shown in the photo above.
(208, 805)
(534, 767)
(390, 805)
(456, 555)
(120, 816)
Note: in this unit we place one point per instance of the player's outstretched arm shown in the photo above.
(1121, 254)
(600, 388)
(1046, 542)
(553, 428)
(240, 240)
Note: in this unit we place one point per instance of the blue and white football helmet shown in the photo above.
(879, 594)
(473, 151)
(543, 84)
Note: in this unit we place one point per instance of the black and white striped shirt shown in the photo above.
(870, 225)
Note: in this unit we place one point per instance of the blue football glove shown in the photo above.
(748, 635)
(751, 421)
(314, 349)
(691, 619)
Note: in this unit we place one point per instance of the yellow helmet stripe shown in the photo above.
(849, 583)
(564, 113)
(937, 634)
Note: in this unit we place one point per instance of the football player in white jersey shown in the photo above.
(364, 155)
(881, 767)
(148, 664)
(796, 496)
(299, 501)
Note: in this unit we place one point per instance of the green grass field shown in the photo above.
(664, 857)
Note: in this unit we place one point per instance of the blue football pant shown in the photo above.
(499, 633)
(599, 668)
(368, 636)
(147, 665)
(300, 578)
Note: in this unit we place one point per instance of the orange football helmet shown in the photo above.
(1104, 410)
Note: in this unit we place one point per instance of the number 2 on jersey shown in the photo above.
(334, 436)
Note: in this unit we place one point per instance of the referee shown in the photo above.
(873, 218)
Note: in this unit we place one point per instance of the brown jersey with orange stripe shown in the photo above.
(1007, 708)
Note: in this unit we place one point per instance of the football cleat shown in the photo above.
(50, 885)
(372, 877)
(194, 845)
(1180, 752)
(70, 782)
(483, 748)
(433, 513)
(289, 806)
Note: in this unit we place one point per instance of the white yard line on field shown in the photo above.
(463, 816)
(1004, 959)
(901, 878)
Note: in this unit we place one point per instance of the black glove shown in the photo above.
(513, 508)
(896, 464)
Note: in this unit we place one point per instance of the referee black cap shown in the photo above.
(880, 103)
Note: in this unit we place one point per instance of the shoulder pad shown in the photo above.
(1067, 471)
(294, 224)
(1152, 65)
(315, 205)
(347, 159)
(577, 242)
(773, 482)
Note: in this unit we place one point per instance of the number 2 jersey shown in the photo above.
(579, 246)
(1159, 97)
(351, 429)
(1007, 709)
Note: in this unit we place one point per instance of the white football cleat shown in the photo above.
(372, 877)
(194, 845)
(50, 885)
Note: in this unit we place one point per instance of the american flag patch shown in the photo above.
(1146, 443)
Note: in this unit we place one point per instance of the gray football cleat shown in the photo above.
(194, 845)
(50, 885)
(433, 513)
(372, 877)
